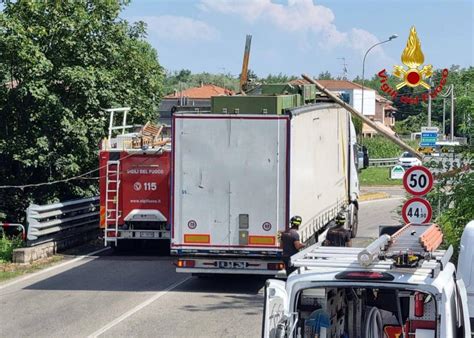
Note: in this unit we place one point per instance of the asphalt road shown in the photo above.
(141, 296)
(378, 212)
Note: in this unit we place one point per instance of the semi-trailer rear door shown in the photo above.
(229, 180)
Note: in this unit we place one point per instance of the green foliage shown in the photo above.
(451, 197)
(412, 124)
(357, 124)
(183, 79)
(7, 246)
(380, 147)
(280, 78)
(63, 62)
(325, 76)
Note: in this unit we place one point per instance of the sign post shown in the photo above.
(417, 181)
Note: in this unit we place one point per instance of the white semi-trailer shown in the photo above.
(242, 170)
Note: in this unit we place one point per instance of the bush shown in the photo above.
(380, 147)
(7, 246)
(453, 205)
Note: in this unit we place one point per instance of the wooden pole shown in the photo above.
(367, 121)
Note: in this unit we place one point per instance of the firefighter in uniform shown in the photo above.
(290, 243)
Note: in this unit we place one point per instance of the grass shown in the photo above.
(11, 270)
(377, 176)
(7, 246)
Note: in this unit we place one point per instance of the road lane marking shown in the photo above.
(137, 308)
(383, 200)
(16, 281)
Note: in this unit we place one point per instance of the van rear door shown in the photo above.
(275, 308)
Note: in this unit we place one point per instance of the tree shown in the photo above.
(63, 62)
(453, 205)
(184, 75)
(279, 78)
(325, 76)
(179, 80)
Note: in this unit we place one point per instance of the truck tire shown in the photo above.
(353, 219)
(115, 247)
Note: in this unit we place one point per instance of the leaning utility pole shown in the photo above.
(245, 64)
(356, 113)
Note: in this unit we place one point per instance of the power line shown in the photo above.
(78, 177)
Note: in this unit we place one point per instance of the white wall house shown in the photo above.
(354, 91)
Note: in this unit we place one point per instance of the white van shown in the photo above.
(398, 286)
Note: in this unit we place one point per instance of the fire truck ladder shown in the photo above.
(412, 249)
(112, 186)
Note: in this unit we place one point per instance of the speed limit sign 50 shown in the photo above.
(417, 211)
(418, 180)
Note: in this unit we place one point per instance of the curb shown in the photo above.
(373, 196)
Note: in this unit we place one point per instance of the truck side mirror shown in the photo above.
(366, 156)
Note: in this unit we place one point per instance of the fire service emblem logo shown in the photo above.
(413, 74)
(413, 57)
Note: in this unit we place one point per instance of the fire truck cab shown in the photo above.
(398, 286)
(134, 182)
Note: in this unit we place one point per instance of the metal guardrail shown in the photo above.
(60, 221)
(4, 226)
(382, 162)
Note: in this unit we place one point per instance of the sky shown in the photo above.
(304, 36)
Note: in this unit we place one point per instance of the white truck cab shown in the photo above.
(398, 286)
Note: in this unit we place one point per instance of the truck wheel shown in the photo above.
(121, 246)
(353, 219)
(115, 247)
(164, 247)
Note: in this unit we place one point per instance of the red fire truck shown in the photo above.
(134, 182)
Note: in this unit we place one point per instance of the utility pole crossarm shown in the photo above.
(356, 113)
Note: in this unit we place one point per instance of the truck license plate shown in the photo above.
(231, 265)
(146, 234)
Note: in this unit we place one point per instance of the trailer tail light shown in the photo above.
(112, 234)
(364, 275)
(186, 263)
(275, 266)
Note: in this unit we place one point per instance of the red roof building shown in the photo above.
(205, 91)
